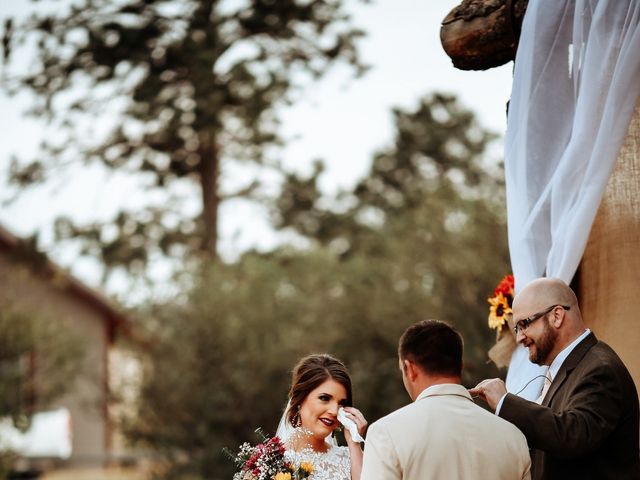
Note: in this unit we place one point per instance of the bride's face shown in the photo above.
(319, 411)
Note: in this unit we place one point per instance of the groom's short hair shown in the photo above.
(433, 345)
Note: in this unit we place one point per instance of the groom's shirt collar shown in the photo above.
(444, 389)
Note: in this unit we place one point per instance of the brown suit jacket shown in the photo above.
(588, 424)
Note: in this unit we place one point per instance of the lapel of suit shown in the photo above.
(568, 365)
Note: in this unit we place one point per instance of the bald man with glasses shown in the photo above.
(586, 422)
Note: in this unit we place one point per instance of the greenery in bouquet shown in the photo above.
(266, 461)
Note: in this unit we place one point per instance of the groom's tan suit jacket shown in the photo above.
(444, 435)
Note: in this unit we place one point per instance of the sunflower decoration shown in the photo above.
(306, 467)
(500, 303)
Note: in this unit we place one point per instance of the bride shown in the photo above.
(320, 390)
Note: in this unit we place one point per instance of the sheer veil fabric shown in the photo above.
(576, 84)
(285, 429)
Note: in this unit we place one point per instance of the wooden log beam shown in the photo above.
(482, 34)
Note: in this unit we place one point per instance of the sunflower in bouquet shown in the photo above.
(500, 312)
(265, 461)
(501, 302)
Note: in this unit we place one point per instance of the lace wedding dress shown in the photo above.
(333, 464)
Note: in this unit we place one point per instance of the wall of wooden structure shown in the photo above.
(609, 275)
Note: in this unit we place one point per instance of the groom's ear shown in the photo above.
(410, 370)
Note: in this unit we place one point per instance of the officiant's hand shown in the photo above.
(491, 391)
(357, 416)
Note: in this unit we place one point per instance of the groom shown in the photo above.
(442, 434)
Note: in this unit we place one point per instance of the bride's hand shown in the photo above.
(355, 415)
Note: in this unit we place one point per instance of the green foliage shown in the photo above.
(430, 216)
(423, 236)
(39, 359)
(219, 366)
(182, 88)
(437, 162)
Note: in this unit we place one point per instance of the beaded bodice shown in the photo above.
(333, 464)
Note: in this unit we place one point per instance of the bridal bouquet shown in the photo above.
(265, 461)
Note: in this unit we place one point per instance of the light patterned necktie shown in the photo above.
(545, 388)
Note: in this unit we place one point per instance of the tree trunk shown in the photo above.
(209, 175)
(482, 34)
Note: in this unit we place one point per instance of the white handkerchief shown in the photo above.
(349, 425)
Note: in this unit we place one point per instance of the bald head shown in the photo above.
(544, 292)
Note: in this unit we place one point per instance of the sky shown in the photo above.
(339, 119)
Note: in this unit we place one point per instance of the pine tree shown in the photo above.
(182, 89)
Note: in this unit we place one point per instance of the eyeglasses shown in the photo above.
(523, 324)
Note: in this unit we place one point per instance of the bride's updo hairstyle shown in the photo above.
(311, 372)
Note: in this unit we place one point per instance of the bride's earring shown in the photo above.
(297, 422)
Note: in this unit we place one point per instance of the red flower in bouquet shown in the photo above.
(265, 461)
(506, 286)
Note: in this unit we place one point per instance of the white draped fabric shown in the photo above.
(576, 84)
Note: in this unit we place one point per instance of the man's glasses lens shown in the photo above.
(523, 324)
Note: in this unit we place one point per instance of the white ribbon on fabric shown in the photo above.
(575, 89)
